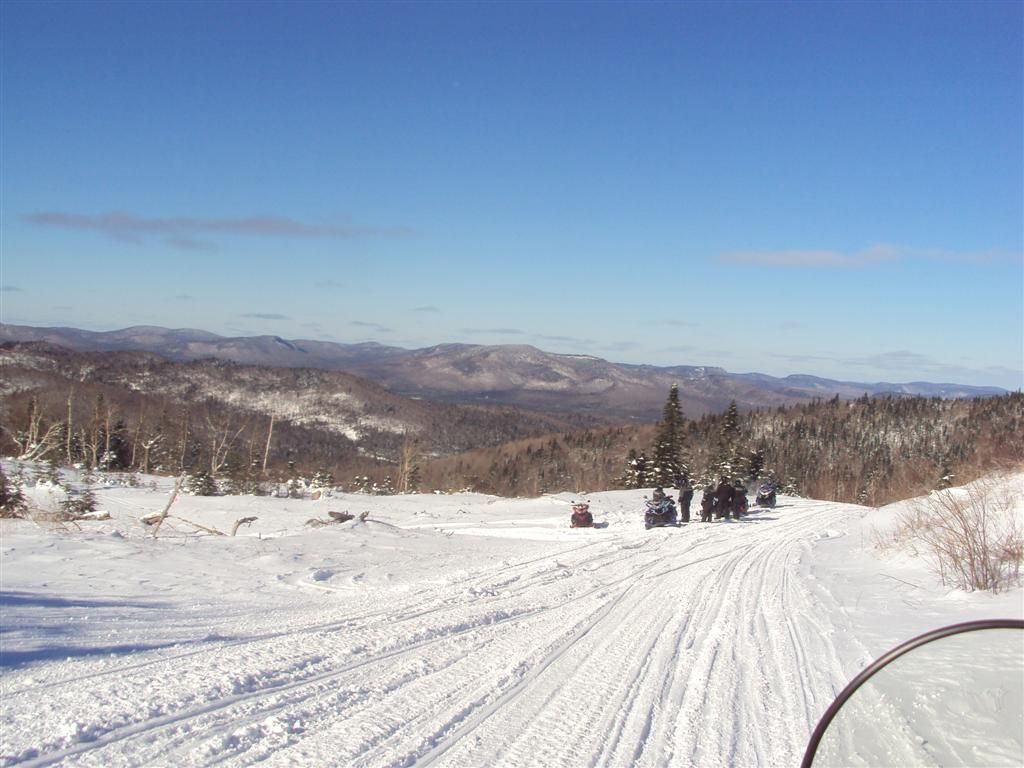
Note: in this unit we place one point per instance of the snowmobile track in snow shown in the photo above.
(581, 654)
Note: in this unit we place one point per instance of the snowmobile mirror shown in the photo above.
(952, 697)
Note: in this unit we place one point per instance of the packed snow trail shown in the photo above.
(395, 642)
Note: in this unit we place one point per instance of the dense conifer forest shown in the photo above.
(870, 451)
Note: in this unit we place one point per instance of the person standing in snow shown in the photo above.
(723, 499)
(707, 503)
(685, 497)
(739, 500)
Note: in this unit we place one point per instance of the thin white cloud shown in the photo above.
(803, 358)
(895, 359)
(875, 254)
(372, 326)
(504, 331)
(566, 340)
(814, 258)
(905, 365)
(182, 232)
(265, 316)
(621, 346)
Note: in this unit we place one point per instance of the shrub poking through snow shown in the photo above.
(972, 535)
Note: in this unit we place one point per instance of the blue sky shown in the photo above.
(826, 188)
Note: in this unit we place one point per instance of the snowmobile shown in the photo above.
(581, 517)
(659, 513)
(956, 698)
(765, 495)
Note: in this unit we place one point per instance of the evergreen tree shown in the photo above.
(201, 484)
(243, 478)
(728, 461)
(78, 503)
(668, 443)
(635, 475)
(12, 498)
(50, 473)
(117, 448)
(322, 479)
(755, 464)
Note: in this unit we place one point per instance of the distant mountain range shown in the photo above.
(517, 375)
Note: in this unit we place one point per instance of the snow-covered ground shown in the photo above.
(462, 630)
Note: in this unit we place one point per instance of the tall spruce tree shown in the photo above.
(728, 462)
(667, 466)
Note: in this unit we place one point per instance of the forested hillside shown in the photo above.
(129, 411)
(869, 451)
(247, 427)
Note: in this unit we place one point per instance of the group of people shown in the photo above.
(726, 500)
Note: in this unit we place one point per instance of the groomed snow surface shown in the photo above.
(454, 630)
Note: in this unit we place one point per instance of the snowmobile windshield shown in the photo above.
(952, 697)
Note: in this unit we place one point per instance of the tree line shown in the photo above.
(873, 450)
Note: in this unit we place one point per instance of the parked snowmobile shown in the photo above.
(659, 513)
(950, 697)
(581, 517)
(765, 495)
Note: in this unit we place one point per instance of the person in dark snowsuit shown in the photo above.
(739, 501)
(707, 504)
(659, 494)
(723, 499)
(685, 497)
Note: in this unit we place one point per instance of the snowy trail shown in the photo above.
(398, 646)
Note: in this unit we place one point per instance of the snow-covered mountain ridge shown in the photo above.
(517, 375)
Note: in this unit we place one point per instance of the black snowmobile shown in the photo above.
(659, 513)
(765, 495)
(581, 516)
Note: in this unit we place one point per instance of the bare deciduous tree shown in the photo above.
(222, 437)
(266, 451)
(408, 471)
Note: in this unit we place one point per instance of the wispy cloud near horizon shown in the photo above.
(905, 365)
(183, 232)
(507, 331)
(812, 258)
(372, 326)
(567, 340)
(875, 254)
